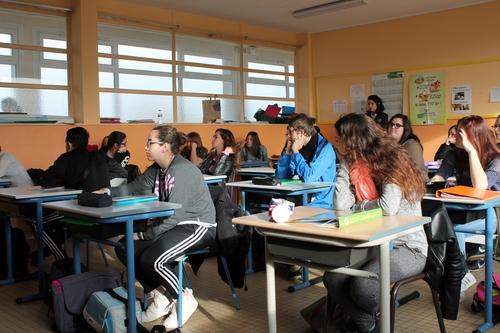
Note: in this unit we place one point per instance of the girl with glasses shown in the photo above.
(399, 128)
(173, 179)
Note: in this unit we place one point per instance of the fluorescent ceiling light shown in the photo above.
(327, 7)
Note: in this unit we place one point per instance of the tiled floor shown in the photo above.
(216, 313)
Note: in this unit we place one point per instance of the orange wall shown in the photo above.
(458, 36)
(37, 146)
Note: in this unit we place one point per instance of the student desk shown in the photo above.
(126, 214)
(375, 233)
(209, 179)
(257, 171)
(302, 190)
(12, 198)
(466, 204)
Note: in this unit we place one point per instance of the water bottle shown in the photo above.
(159, 119)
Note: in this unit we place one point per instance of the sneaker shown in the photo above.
(294, 271)
(189, 305)
(475, 265)
(158, 306)
(468, 281)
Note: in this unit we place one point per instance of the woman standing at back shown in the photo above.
(375, 110)
(400, 129)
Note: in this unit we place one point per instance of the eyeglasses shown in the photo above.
(123, 144)
(150, 142)
(395, 125)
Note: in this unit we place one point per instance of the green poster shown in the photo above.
(427, 99)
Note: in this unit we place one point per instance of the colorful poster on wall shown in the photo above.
(427, 103)
(389, 87)
(461, 102)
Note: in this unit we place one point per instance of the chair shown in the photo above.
(181, 261)
(443, 254)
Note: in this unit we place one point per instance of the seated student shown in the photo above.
(476, 162)
(71, 170)
(252, 149)
(222, 157)
(375, 110)
(308, 155)
(448, 145)
(374, 172)
(115, 142)
(173, 179)
(400, 129)
(13, 170)
(194, 150)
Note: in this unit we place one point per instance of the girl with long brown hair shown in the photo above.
(374, 171)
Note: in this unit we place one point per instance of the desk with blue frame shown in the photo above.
(125, 214)
(470, 204)
(12, 201)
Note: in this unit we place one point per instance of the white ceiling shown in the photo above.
(278, 13)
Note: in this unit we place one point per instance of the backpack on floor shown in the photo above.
(70, 294)
(480, 296)
(20, 251)
(106, 311)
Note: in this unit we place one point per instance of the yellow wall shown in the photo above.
(461, 38)
(37, 146)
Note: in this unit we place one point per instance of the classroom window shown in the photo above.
(40, 74)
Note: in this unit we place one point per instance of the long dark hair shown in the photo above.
(255, 149)
(378, 101)
(228, 137)
(195, 137)
(407, 129)
(388, 161)
(481, 137)
(114, 138)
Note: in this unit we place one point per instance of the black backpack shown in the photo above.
(20, 251)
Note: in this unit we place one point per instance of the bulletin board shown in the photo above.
(480, 75)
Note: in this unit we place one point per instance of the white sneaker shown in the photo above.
(157, 308)
(189, 305)
(467, 281)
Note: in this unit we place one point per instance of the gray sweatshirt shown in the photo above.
(181, 183)
(13, 170)
(390, 201)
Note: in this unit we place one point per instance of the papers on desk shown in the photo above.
(323, 219)
(133, 199)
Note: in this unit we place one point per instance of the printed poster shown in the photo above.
(358, 101)
(389, 86)
(461, 99)
(427, 99)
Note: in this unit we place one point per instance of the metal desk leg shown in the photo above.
(384, 280)
(249, 253)
(131, 328)
(271, 294)
(77, 268)
(40, 248)
(488, 279)
(8, 251)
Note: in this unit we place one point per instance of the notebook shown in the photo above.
(133, 199)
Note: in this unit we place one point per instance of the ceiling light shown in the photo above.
(327, 7)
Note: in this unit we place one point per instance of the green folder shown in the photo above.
(359, 217)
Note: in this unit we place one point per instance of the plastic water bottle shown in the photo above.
(159, 117)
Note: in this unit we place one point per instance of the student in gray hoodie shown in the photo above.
(173, 179)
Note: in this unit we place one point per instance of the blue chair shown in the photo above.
(181, 262)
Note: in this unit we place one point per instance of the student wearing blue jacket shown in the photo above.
(310, 156)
